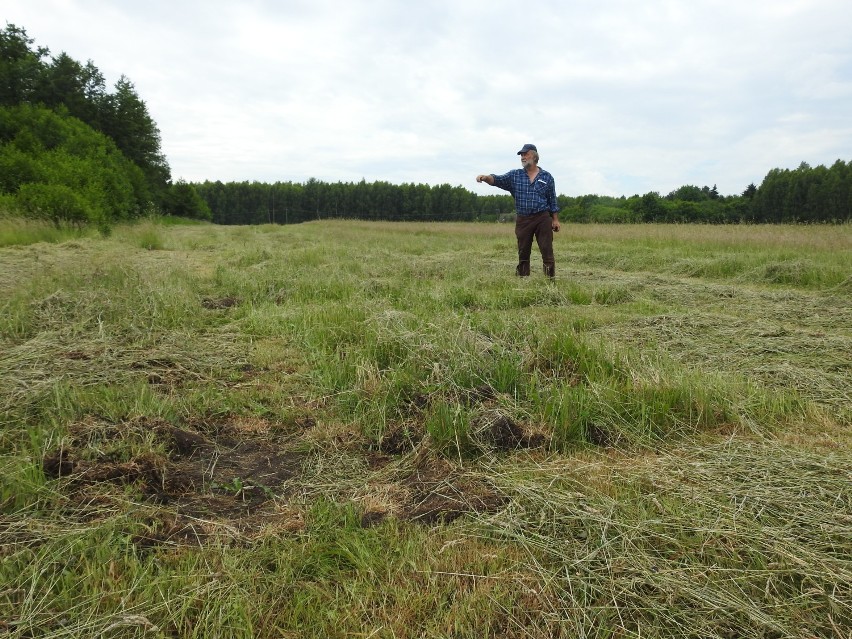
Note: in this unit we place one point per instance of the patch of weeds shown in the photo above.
(570, 357)
(252, 258)
(579, 295)
(463, 298)
(566, 412)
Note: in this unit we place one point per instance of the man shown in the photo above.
(534, 191)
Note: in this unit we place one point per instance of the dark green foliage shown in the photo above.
(20, 66)
(126, 120)
(650, 208)
(183, 201)
(61, 169)
(688, 193)
(55, 202)
(806, 194)
(65, 83)
(288, 202)
(16, 167)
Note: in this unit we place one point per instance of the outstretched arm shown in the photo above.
(488, 179)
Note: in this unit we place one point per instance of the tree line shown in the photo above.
(803, 195)
(289, 202)
(72, 150)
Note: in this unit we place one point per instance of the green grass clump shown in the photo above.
(448, 426)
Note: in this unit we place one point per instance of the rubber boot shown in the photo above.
(523, 269)
(550, 270)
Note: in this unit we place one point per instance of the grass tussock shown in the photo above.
(260, 432)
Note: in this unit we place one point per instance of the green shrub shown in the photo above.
(62, 169)
(54, 202)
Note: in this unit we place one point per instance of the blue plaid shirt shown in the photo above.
(540, 195)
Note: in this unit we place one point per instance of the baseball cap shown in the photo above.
(528, 147)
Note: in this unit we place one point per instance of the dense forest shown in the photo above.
(72, 150)
(803, 195)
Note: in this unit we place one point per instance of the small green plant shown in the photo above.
(238, 488)
(234, 486)
(567, 412)
(506, 374)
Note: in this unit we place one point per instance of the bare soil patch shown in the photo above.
(440, 493)
(215, 303)
(227, 477)
(241, 475)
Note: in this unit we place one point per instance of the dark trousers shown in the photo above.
(536, 226)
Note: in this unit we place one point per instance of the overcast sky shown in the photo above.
(621, 97)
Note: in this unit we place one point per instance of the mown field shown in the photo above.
(351, 429)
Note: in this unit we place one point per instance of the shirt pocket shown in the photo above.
(541, 188)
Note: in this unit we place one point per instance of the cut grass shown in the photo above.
(656, 444)
(722, 539)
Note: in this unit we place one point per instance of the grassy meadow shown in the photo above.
(353, 429)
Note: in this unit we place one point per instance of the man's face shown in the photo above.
(527, 158)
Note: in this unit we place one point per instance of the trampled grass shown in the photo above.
(374, 429)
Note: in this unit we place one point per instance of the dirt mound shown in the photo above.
(61, 463)
(499, 432)
(398, 441)
(440, 493)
